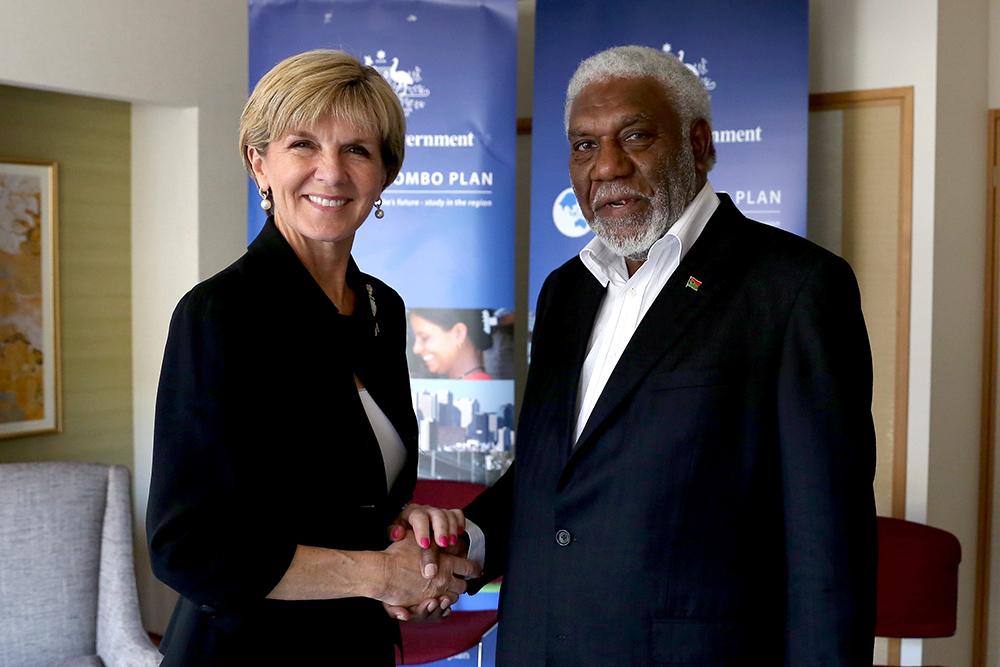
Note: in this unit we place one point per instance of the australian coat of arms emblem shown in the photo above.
(699, 68)
(408, 83)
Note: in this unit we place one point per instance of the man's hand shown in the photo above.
(433, 609)
(405, 582)
(428, 611)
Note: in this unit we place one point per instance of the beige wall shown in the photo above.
(183, 65)
(994, 59)
(858, 45)
(959, 260)
(942, 48)
(89, 138)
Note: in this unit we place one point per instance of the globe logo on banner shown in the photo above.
(406, 83)
(567, 216)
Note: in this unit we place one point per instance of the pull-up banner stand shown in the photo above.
(752, 56)
(446, 243)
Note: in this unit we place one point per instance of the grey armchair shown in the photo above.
(67, 578)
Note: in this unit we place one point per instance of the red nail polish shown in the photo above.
(425, 543)
(396, 530)
(452, 539)
(442, 541)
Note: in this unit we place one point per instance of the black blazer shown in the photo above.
(718, 508)
(261, 443)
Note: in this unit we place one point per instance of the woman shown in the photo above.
(451, 341)
(285, 437)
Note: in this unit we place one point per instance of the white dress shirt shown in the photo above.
(627, 299)
(625, 303)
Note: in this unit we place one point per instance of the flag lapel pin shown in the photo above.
(693, 283)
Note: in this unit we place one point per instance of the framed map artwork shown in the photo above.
(29, 297)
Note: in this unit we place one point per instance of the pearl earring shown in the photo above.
(265, 201)
(379, 213)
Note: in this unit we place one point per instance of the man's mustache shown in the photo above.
(612, 192)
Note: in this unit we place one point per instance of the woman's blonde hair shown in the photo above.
(302, 88)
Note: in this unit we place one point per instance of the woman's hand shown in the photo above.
(429, 524)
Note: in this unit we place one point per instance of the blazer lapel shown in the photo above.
(564, 327)
(710, 262)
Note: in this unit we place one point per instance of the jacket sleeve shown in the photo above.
(827, 450)
(211, 536)
(493, 509)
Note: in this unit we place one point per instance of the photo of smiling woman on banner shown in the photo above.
(460, 343)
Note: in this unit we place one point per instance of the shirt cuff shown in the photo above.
(477, 543)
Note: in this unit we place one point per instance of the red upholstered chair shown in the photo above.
(429, 642)
(446, 492)
(462, 630)
(917, 580)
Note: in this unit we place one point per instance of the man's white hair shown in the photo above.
(683, 87)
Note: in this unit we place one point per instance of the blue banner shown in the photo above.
(447, 239)
(752, 57)
(446, 243)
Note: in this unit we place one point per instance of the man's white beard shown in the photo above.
(633, 236)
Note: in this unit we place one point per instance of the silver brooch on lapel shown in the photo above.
(371, 300)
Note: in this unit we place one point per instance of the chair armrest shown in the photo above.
(121, 639)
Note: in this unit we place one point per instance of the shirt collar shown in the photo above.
(603, 262)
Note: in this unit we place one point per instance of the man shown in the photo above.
(693, 482)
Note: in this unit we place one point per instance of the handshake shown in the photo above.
(426, 565)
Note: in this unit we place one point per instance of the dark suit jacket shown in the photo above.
(718, 508)
(261, 443)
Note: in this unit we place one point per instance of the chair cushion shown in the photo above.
(446, 492)
(917, 580)
(51, 515)
(82, 661)
(427, 642)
